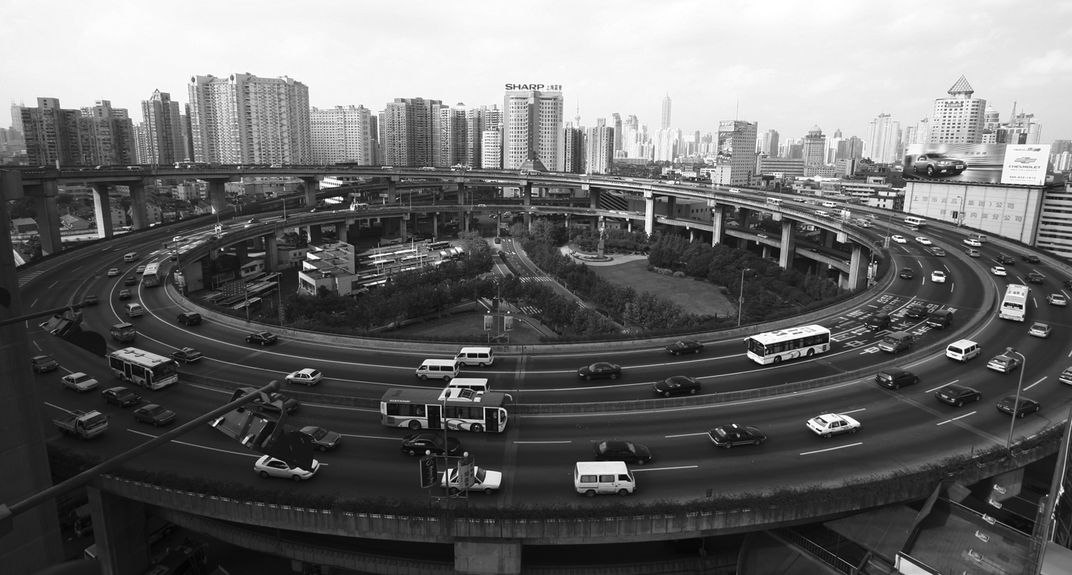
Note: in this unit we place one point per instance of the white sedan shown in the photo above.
(268, 466)
(922, 241)
(972, 242)
(112, 272)
(829, 424)
(79, 381)
(899, 239)
(938, 277)
(998, 271)
(484, 480)
(306, 376)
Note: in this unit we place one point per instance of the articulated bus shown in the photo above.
(455, 408)
(1014, 304)
(151, 276)
(143, 368)
(791, 343)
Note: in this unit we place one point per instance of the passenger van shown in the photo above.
(822, 213)
(603, 477)
(135, 310)
(130, 256)
(963, 350)
(473, 383)
(475, 356)
(445, 369)
(977, 236)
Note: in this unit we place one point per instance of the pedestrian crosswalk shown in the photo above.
(530, 279)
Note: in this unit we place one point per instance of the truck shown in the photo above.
(84, 424)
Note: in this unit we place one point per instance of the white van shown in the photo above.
(963, 350)
(473, 383)
(603, 477)
(445, 369)
(475, 356)
(135, 310)
(130, 256)
(915, 222)
(982, 238)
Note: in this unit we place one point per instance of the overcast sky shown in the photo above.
(786, 64)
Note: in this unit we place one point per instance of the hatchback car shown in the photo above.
(923, 241)
(1005, 259)
(322, 439)
(957, 395)
(481, 479)
(306, 376)
(899, 239)
(1039, 329)
(938, 277)
(972, 242)
(829, 424)
(1031, 258)
(998, 271)
(422, 441)
(974, 253)
(262, 338)
(154, 414)
(600, 369)
(189, 318)
(187, 355)
(627, 451)
(906, 274)
(1010, 406)
(112, 272)
(935, 250)
(1035, 277)
(124, 294)
(677, 385)
(916, 311)
(79, 381)
(1057, 299)
(268, 466)
(895, 378)
(121, 396)
(44, 363)
(727, 436)
(1004, 363)
(684, 346)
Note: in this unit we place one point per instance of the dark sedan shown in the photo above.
(1023, 407)
(130, 280)
(323, 439)
(154, 414)
(262, 338)
(677, 385)
(916, 311)
(730, 435)
(684, 346)
(187, 355)
(121, 396)
(419, 443)
(906, 274)
(958, 395)
(933, 164)
(600, 369)
(627, 451)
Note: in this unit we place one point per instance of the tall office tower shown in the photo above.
(922, 133)
(341, 134)
(163, 129)
(573, 150)
(832, 146)
(735, 163)
(616, 120)
(1022, 129)
(16, 117)
(769, 144)
(450, 135)
(882, 141)
(666, 145)
(532, 129)
(599, 149)
(406, 131)
(141, 143)
(187, 135)
(491, 147)
(665, 122)
(814, 152)
(991, 125)
(959, 118)
(244, 119)
(850, 148)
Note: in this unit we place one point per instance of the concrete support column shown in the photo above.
(217, 196)
(312, 186)
(692, 235)
(392, 190)
(403, 228)
(271, 253)
(857, 269)
(341, 230)
(717, 221)
(745, 216)
(789, 244)
(138, 214)
(826, 238)
(461, 193)
(312, 233)
(487, 557)
(48, 218)
(241, 252)
(593, 196)
(629, 225)
(119, 528)
(671, 204)
(435, 226)
(649, 212)
(526, 200)
(102, 210)
(766, 251)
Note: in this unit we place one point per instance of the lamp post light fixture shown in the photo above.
(1016, 402)
(740, 298)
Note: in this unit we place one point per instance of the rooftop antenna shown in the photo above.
(737, 110)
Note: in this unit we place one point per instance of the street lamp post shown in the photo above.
(1016, 402)
(740, 298)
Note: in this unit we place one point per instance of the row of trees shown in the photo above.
(614, 240)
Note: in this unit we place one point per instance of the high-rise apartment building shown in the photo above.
(769, 144)
(245, 119)
(599, 148)
(532, 129)
(735, 163)
(491, 147)
(959, 118)
(451, 135)
(573, 150)
(407, 131)
(667, 143)
(476, 121)
(814, 152)
(161, 130)
(616, 122)
(341, 134)
(111, 134)
(883, 140)
(97, 135)
(664, 123)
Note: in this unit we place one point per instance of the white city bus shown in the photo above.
(915, 222)
(151, 276)
(791, 343)
(143, 368)
(456, 408)
(1014, 304)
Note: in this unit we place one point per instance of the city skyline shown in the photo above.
(787, 67)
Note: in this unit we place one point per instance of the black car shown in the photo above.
(906, 274)
(1035, 277)
(154, 414)
(121, 396)
(420, 442)
(684, 346)
(262, 338)
(916, 311)
(1005, 260)
(730, 435)
(895, 378)
(958, 395)
(322, 439)
(600, 369)
(44, 363)
(677, 385)
(1031, 258)
(187, 355)
(277, 402)
(124, 294)
(189, 318)
(627, 451)
(90, 299)
(1023, 407)
(130, 280)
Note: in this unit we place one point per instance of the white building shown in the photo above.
(882, 143)
(532, 127)
(958, 119)
(736, 149)
(599, 149)
(342, 134)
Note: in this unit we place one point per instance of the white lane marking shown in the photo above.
(684, 435)
(1036, 383)
(852, 411)
(639, 469)
(205, 447)
(932, 390)
(567, 441)
(832, 448)
(955, 418)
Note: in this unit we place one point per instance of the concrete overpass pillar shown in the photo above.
(717, 221)
(594, 195)
(487, 557)
(787, 251)
(692, 235)
(526, 200)
(341, 230)
(217, 196)
(649, 212)
(745, 216)
(138, 214)
(435, 226)
(392, 190)
(460, 187)
(241, 252)
(119, 528)
(765, 253)
(313, 234)
(671, 205)
(403, 228)
(857, 269)
(312, 186)
(48, 218)
(271, 253)
(102, 210)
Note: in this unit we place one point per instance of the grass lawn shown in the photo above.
(694, 296)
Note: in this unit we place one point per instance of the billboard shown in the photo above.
(1017, 164)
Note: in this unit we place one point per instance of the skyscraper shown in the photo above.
(244, 119)
(814, 152)
(665, 122)
(51, 134)
(616, 120)
(769, 144)
(599, 149)
(450, 133)
(161, 130)
(882, 142)
(532, 128)
(111, 134)
(735, 163)
(573, 146)
(341, 134)
(959, 118)
(406, 131)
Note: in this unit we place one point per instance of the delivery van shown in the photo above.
(603, 477)
(475, 356)
(445, 369)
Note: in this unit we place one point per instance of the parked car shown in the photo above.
(627, 451)
(1057, 299)
(305, 376)
(677, 385)
(1004, 363)
(322, 439)
(44, 363)
(121, 396)
(79, 381)
(482, 479)
(422, 441)
(155, 414)
(268, 466)
(600, 369)
(1010, 406)
(829, 424)
(1039, 329)
(684, 346)
(957, 395)
(262, 338)
(187, 355)
(732, 435)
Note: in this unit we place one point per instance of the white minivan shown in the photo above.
(135, 310)
(130, 256)
(445, 369)
(475, 356)
(603, 477)
(473, 383)
(963, 350)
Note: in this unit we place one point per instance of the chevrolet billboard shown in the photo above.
(1016, 164)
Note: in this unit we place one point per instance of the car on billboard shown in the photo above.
(933, 164)
(1025, 160)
